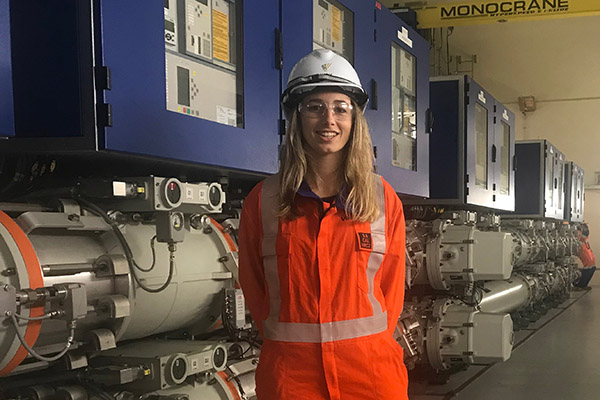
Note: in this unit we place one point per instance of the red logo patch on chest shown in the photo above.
(365, 241)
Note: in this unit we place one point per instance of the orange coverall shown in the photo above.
(586, 255)
(331, 301)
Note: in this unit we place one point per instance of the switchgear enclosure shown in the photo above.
(470, 146)
(539, 180)
(106, 61)
(398, 110)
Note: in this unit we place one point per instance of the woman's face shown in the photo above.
(326, 122)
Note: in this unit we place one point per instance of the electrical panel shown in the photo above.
(333, 27)
(470, 160)
(574, 195)
(398, 113)
(184, 80)
(539, 180)
(200, 58)
(343, 26)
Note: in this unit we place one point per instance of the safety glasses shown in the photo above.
(317, 109)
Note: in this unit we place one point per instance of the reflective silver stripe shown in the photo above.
(378, 243)
(328, 331)
(270, 225)
(325, 332)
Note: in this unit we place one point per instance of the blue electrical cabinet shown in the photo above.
(186, 80)
(539, 180)
(7, 122)
(398, 115)
(470, 146)
(574, 195)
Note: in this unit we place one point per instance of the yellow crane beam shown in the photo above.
(484, 12)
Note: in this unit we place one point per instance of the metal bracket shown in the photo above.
(31, 221)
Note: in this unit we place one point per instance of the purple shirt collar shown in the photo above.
(339, 200)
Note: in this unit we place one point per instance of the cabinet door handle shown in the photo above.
(374, 95)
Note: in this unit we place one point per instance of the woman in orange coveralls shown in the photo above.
(322, 250)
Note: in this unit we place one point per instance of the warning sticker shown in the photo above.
(220, 35)
(336, 24)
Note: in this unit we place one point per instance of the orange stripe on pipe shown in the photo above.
(230, 243)
(228, 239)
(232, 389)
(34, 273)
(218, 324)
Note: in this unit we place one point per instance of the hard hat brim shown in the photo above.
(293, 95)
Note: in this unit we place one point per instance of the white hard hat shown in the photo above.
(322, 69)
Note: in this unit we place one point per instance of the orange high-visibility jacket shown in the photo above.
(586, 255)
(326, 293)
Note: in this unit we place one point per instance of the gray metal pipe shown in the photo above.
(506, 296)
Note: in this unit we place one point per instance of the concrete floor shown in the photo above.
(556, 359)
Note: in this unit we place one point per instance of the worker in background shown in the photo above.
(587, 258)
(322, 247)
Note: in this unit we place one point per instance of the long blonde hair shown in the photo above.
(361, 204)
